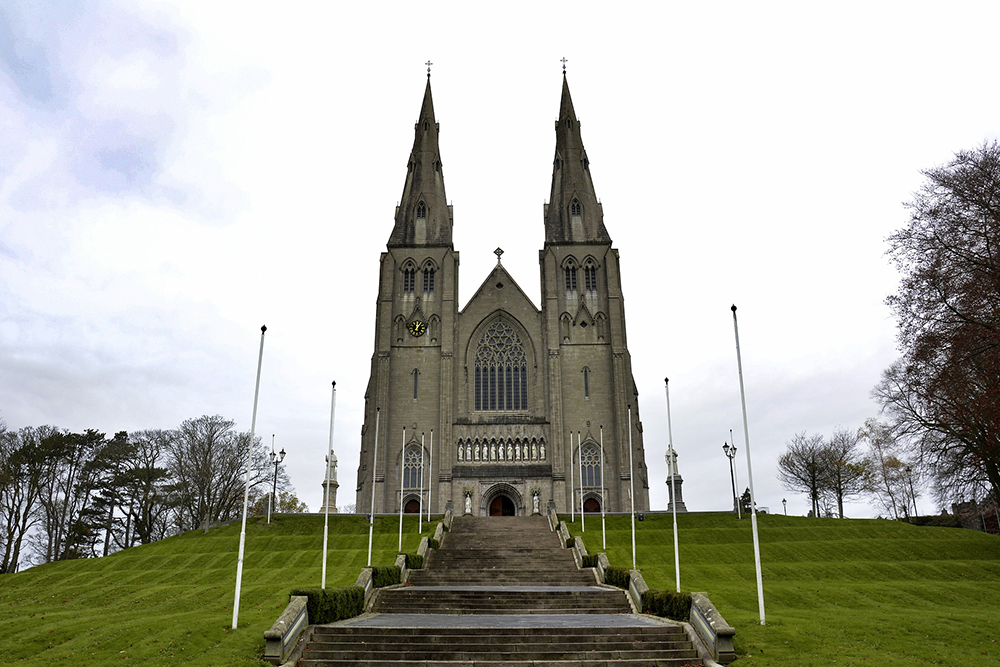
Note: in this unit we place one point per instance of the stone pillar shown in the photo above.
(330, 487)
(674, 483)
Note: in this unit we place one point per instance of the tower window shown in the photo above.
(412, 473)
(421, 211)
(590, 278)
(590, 464)
(574, 208)
(501, 376)
(428, 281)
(570, 279)
(409, 280)
(586, 383)
(416, 374)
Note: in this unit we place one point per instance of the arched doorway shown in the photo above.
(412, 506)
(591, 505)
(502, 506)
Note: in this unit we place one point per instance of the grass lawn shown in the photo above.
(840, 592)
(171, 603)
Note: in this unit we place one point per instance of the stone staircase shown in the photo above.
(501, 591)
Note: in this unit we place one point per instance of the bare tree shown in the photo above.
(846, 468)
(889, 481)
(802, 468)
(23, 468)
(943, 395)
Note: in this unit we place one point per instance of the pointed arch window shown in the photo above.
(416, 378)
(574, 208)
(428, 280)
(586, 382)
(590, 465)
(412, 472)
(501, 375)
(570, 278)
(590, 276)
(421, 211)
(409, 280)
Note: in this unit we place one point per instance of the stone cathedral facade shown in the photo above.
(497, 407)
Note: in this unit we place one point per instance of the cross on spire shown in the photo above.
(498, 252)
(564, 61)
(429, 63)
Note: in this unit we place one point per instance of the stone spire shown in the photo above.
(423, 217)
(573, 214)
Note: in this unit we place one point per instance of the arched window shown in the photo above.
(586, 382)
(421, 211)
(590, 276)
(416, 377)
(570, 278)
(412, 473)
(574, 208)
(501, 381)
(590, 466)
(409, 280)
(428, 280)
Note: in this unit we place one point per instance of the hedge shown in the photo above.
(616, 576)
(414, 561)
(570, 542)
(432, 543)
(667, 604)
(385, 575)
(326, 605)
(590, 560)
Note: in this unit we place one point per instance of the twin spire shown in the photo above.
(573, 214)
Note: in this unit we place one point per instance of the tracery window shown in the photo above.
(501, 379)
(421, 211)
(428, 280)
(590, 465)
(590, 277)
(412, 472)
(409, 280)
(570, 279)
(574, 208)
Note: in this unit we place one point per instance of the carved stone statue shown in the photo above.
(477, 451)
(510, 452)
(468, 451)
(493, 451)
(461, 452)
(534, 504)
(500, 452)
(534, 452)
(541, 451)
(468, 504)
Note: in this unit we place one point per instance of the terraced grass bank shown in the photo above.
(836, 592)
(171, 603)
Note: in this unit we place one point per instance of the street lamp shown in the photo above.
(275, 459)
(730, 452)
(784, 504)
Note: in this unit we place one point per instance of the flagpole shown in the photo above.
(430, 477)
(402, 466)
(753, 503)
(371, 516)
(329, 461)
(604, 534)
(672, 469)
(579, 454)
(420, 501)
(572, 491)
(736, 476)
(246, 486)
(631, 483)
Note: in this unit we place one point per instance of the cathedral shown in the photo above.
(501, 407)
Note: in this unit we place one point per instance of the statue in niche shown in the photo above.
(477, 451)
(517, 452)
(535, 509)
(493, 451)
(534, 452)
(510, 452)
(500, 452)
(525, 456)
(468, 504)
(541, 451)
(461, 452)
(468, 451)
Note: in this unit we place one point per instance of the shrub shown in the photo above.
(385, 575)
(414, 561)
(667, 604)
(616, 576)
(590, 560)
(432, 543)
(326, 605)
(570, 542)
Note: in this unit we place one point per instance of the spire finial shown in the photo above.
(429, 63)
(564, 61)
(498, 252)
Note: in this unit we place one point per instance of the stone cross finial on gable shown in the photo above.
(498, 252)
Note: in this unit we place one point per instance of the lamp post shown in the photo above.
(275, 459)
(730, 452)
(784, 504)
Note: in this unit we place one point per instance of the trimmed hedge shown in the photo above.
(385, 575)
(414, 561)
(432, 543)
(570, 542)
(590, 560)
(667, 604)
(326, 605)
(616, 576)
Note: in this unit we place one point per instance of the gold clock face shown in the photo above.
(416, 328)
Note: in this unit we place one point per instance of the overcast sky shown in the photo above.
(175, 175)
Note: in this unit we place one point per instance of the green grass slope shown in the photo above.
(171, 603)
(836, 592)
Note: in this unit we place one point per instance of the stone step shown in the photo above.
(498, 634)
(489, 662)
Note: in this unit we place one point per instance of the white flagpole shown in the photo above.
(430, 477)
(673, 488)
(420, 508)
(402, 466)
(329, 460)
(579, 453)
(572, 491)
(604, 534)
(246, 489)
(736, 480)
(631, 483)
(371, 516)
(753, 503)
